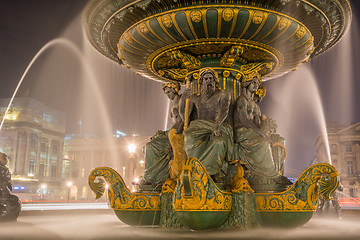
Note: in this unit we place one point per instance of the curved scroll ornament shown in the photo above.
(196, 190)
(303, 195)
(121, 198)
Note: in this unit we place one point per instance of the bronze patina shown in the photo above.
(221, 164)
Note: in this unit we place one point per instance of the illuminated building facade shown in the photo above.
(33, 138)
(122, 153)
(344, 144)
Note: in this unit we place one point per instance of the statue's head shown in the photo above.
(171, 89)
(252, 82)
(3, 158)
(208, 80)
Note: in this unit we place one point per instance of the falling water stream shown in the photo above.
(167, 115)
(86, 68)
(296, 106)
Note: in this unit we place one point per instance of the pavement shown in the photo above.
(99, 222)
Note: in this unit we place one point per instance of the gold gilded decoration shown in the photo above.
(229, 58)
(203, 195)
(177, 144)
(309, 42)
(252, 75)
(258, 66)
(120, 47)
(177, 64)
(300, 32)
(303, 195)
(255, 55)
(238, 76)
(205, 49)
(175, 73)
(284, 23)
(168, 62)
(195, 16)
(136, 202)
(121, 198)
(261, 92)
(169, 186)
(189, 62)
(238, 183)
(196, 76)
(208, 48)
(127, 37)
(258, 70)
(228, 14)
(175, 86)
(143, 28)
(258, 17)
(226, 73)
(166, 20)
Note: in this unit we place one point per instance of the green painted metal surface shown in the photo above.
(136, 218)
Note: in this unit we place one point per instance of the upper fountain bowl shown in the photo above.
(144, 35)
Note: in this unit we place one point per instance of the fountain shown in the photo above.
(223, 51)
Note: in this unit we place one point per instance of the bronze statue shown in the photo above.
(10, 205)
(269, 126)
(158, 152)
(5, 177)
(209, 136)
(252, 143)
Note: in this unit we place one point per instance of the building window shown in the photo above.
(31, 168)
(65, 168)
(55, 147)
(334, 148)
(350, 167)
(348, 148)
(43, 145)
(33, 142)
(53, 171)
(41, 169)
(47, 118)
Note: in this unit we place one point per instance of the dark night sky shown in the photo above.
(136, 104)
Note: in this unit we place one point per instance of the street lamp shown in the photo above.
(69, 185)
(132, 148)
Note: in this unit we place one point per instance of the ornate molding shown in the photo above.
(197, 192)
(303, 195)
(120, 197)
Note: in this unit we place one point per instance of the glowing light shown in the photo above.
(136, 180)
(119, 134)
(43, 186)
(24, 179)
(69, 184)
(132, 148)
(142, 161)
(11, 116)
(107, 186)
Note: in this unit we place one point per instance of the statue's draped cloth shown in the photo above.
(255, 151)
(213, 152)
(158, 153)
